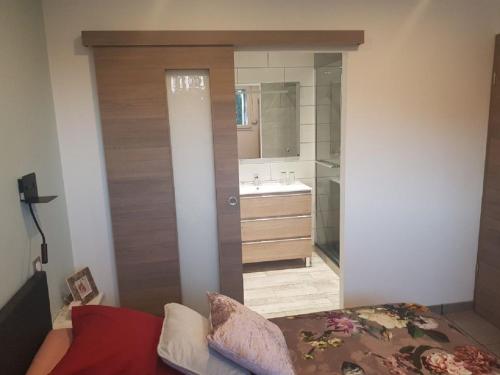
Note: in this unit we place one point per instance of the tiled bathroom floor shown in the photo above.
(277, 289)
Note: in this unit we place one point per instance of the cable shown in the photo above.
(44, 244)
(36, 223)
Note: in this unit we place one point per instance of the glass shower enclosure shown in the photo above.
(328, 73)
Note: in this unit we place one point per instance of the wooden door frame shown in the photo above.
(234, 38)
(225, 141)
(487, 303)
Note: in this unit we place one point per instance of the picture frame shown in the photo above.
(82, 286)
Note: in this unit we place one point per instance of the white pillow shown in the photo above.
(183, 344)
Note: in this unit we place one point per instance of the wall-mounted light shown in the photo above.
(28, 193)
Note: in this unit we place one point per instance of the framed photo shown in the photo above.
(82, 286)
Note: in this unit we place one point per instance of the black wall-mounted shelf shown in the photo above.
(28, 194)
(46, 199)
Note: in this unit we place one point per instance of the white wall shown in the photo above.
(414, 128)
(28, 143)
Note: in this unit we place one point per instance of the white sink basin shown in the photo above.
(273, 188)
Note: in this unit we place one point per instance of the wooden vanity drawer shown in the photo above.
(276, 228)
(264, 251)
(275, 205)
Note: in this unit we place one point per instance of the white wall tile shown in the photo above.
(248, 171)
(331, 76)
(307, 114)
(323, 131)
(308, 181)
(250, 59)
(307, 151)
(306, 95)
(258, 75)
(306, 133)
(302, 169)
(326, 114)
(295, 59)
(323, 150)
(303, 75)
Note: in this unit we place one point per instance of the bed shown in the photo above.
(393, 339)
(27, 338)
(24, 322)
(388, 339)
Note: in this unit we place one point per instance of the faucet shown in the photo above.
(256, 180)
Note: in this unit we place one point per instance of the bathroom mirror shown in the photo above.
(268, 120)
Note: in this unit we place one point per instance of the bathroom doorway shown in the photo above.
(288, 130)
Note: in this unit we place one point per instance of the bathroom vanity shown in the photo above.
(275, 222)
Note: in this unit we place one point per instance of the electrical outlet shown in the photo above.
(37, 264)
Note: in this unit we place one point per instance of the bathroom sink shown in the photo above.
(272, 188)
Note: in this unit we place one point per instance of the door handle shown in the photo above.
(232, 200)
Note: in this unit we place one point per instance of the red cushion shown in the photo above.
(109, 340)
(164, 369)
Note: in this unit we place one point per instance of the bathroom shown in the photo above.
(289, 142)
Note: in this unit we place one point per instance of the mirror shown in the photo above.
(267, 119)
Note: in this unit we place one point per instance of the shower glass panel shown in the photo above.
(328, 72)
(280, 119)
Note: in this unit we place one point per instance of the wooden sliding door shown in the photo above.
(487, 294)
(130, 68)
(135, 128)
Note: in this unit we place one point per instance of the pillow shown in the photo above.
(109, 340)
(163, 369)
(183, 344)
(247, 338)
(54, 347)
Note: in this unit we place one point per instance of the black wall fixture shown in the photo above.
(28, 193)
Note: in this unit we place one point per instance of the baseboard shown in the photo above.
(448, 308)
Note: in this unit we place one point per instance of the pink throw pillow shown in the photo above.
(247, 338)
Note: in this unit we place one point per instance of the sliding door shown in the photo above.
(487, 294)
(132, 85)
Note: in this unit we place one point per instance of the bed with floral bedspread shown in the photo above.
(387, 339)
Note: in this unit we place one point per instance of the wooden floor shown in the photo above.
(276, 289)
(478, 329)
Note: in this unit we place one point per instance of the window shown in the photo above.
(241, 107)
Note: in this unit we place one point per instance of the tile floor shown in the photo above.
(478, 329)
(275, 289)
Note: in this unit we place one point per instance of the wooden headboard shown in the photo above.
(24, 322)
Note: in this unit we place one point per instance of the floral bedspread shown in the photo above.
(387, 339)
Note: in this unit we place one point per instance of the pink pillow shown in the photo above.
(247, 338)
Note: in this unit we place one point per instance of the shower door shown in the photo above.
(328, 72)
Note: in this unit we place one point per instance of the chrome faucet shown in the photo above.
(256, 180)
